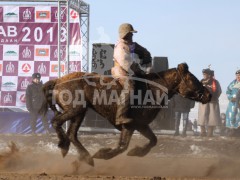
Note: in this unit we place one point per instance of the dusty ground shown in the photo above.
(37, 157)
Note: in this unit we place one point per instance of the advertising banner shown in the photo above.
(28, 44)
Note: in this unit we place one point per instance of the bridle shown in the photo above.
(199, 93)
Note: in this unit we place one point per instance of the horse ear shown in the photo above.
(183, 68)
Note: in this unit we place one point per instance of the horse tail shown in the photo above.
(47, 97)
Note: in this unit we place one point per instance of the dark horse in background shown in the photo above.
(177, 80)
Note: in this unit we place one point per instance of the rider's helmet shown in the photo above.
(124, 29)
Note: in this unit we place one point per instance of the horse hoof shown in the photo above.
(138, 151)
(64, 152)
(102, 153)
(64, 146)
(90, 162)
(88, 159)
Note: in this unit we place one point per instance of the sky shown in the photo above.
(198, 32)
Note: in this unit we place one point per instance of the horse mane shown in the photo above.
(157, 75)
(181, 69)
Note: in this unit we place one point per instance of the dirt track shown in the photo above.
(37, 157)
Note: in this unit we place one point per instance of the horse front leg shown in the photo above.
(108, 153)
(72, 134)
(57, 123)
(147, 132)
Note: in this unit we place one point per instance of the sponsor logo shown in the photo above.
(8, 99)
(54, 68)
(56, 53)
(73, 67)
(11, 14)
(27, 14)
(74, 53)
(10, 68)
(10, 53)
(42, 69)
(74, 14)
(26, 67)
(62, 14)
(42, 52)
(43, 14)
(26, 53)
(23, 98)
(9, 84)
(24, 84)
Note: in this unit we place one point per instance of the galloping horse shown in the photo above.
(76, 92)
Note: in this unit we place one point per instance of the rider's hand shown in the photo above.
(136, 69)
(147, 59)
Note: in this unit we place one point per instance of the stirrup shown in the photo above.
(123, 121)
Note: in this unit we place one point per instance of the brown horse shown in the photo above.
(76, 92)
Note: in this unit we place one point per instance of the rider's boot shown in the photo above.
(122, 109)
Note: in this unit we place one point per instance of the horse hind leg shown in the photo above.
(72, 134)
(108, 153)
(147, 132)
(57, 123)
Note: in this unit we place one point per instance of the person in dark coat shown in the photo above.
(223, 124)
(34, 100)
(182, 106)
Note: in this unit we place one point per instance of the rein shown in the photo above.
(200, 94)
(167, 84)
(197, 94)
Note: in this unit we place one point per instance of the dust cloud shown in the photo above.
(171, 158)
(28, 161)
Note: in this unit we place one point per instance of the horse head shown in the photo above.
(190, 87)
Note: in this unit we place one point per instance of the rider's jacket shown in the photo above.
(125, 55)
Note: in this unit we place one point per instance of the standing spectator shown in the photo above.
(34, 100)
(237, 99)
(195, 126)
(223, 124)
(233, 113)
(182, 106)
(209, 114)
